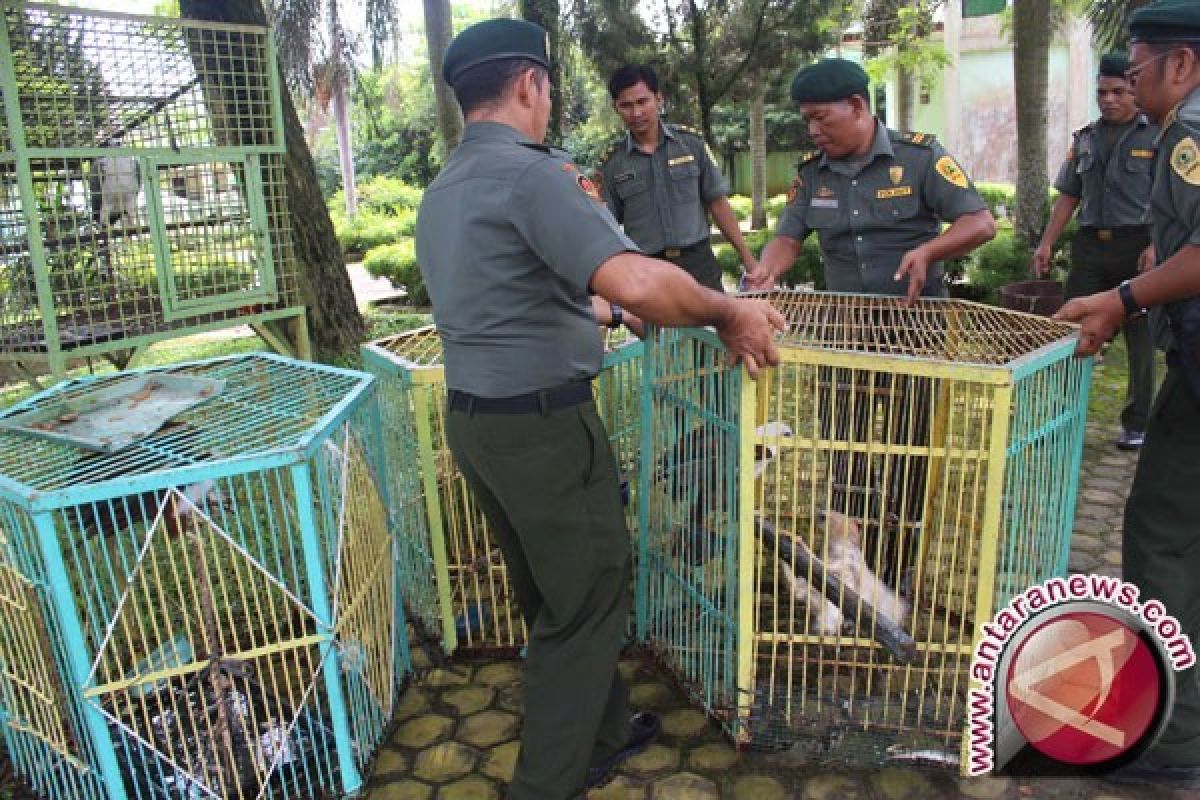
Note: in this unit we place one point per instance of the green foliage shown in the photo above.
(389, 195)
(1006, 259)
(1001, 198)
(808, 269)
(775, 205)
(386, 214)
(398, 263)
(742, 206)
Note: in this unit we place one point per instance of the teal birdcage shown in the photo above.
(201, 608)
(142, 187)
(454, 579)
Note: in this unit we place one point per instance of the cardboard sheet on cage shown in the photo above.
(117, 415)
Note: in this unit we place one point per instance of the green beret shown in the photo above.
(492, 40)
(1166, 21)
(1114, 65)
(829, 79)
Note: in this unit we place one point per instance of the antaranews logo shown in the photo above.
(1074, 673)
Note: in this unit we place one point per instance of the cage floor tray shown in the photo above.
(116, 415)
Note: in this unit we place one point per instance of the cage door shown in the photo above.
(212, 246)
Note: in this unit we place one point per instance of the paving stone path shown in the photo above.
(457, 728)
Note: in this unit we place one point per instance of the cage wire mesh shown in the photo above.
(454, 580)
(821, 546)
(211, 611)
(142, 186)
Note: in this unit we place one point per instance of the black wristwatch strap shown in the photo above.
(1125, 292)
(618, 317)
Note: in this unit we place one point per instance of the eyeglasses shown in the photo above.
(1131, 75)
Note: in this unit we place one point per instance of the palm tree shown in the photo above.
(1109, 20)
(317, 54)
(1031, 80)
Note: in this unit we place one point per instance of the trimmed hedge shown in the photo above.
(398, 263)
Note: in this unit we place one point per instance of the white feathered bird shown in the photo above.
(120, 185)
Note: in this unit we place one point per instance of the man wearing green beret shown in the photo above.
(512, 239)
(661, 182)
(875, 197)
(1161, 544)
(1107, 176)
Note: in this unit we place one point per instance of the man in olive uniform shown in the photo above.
(1107, 176)
(1161, 546)
(876, 199)
(661, 182)
(511, 239)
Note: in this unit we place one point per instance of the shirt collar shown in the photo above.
(486, 130)
(667, 133)
(1192, 100)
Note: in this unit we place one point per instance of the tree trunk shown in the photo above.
(439, 30)
(758, 154)
(545, 13)
(339, 103)
(335, 325)
(906, 100)
(1031, 61)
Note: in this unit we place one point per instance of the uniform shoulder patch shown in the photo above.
(686, 129)
(1185, 160)
(949, 169)
(589, 188)
(918, 138)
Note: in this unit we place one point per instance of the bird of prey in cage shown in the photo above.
(120, 184)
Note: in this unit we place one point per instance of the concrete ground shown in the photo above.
(457, 730)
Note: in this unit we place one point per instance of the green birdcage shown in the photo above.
(142, 189)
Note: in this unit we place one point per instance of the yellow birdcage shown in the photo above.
(819, 548)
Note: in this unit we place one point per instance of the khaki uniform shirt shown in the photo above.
(662, 198)
(1112, 192)
(868, 214)
(508, 237)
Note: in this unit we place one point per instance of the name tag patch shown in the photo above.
(1142, 153)
(624, 176)
(824, 202)
(898, 191)
(681, 160)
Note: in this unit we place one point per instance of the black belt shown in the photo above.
(676, 252)
(1108, 234)
(541, 402)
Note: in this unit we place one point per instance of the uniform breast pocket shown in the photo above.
(1084, 163)
(685, 181)
(896, 204)
(822, 218)
(1139, 164)
(630, 187)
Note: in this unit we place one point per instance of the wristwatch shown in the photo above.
(1125, 292)
(618, 317)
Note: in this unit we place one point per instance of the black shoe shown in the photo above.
(644, 727)
(1144, 773)
(1131, 440)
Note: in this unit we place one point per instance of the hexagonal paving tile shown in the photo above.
(469, 699)
(651, 695)
(986, 787)
(472, 788)
(654, 760)
(830, 786)
(684, 723)
(390, 761)
(423, 731)
(510, 698)
(621, 787)
(684, 786)
(414, 701)
(444, 762)
(452, 676)
(894, 783)
(488, 728)
(758, 787)
(505, 673)
(402, 790)
(713, 757)
(500, 761)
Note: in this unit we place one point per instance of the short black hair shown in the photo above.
(632, 75)
(486, 84)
